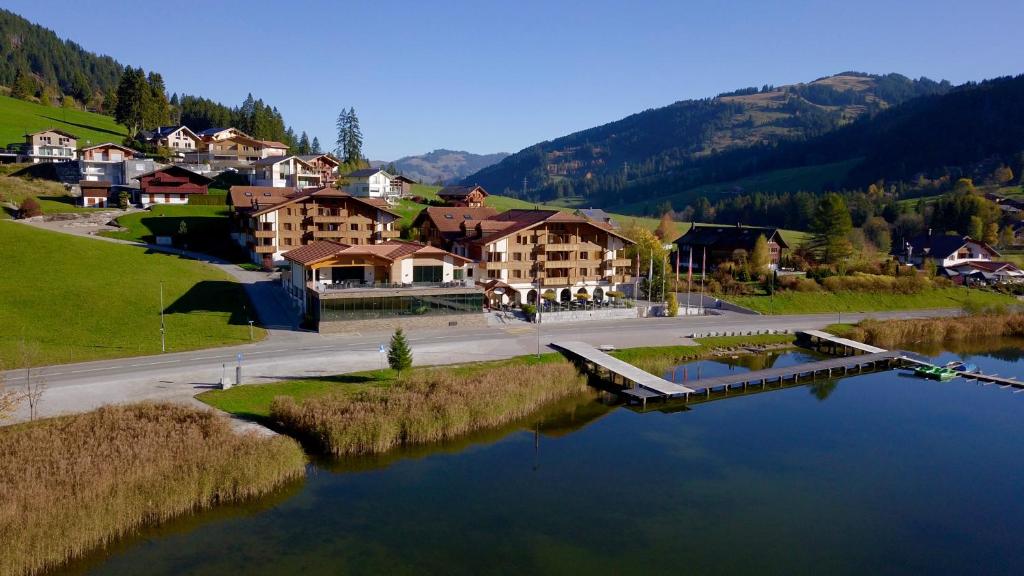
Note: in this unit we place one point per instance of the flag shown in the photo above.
(689, 270)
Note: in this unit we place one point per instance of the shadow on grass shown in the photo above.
(86, 126)
(358, 378)
(213, 296)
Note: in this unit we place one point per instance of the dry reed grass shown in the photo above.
(429, 405)
(72, 484)
(894, 333)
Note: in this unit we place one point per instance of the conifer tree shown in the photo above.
(315, 146)
(24, 86)
(303, 146)
(830, 229)
(399, 355)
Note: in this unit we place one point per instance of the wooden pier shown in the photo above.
(851, 358)
(641, 385)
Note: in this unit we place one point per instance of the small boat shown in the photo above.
(961, 366)
(935, 372)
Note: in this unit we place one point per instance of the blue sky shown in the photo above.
(499, 76)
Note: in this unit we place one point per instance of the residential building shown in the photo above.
(270, 221)
(326, 164)
(403, 184)
(468, 196)
(985, 272)
(50, 146)
(516, 250)
(109, 162)
(400, 282)
(372, 183)
(285, 172)
(944, 251)
(170, 185)
(442, 225)
(178, 139)
(714, 244)
(230, 147)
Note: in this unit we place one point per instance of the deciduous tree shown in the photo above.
(760, 257)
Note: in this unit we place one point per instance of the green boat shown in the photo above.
(935, 373)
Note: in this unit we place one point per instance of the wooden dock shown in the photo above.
(834, 344)
(641, 385)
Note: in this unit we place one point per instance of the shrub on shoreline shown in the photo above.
(428, 405)
(75, 483)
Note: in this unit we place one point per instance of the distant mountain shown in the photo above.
(445, 166)
(643, 152)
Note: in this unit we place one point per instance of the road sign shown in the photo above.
(383, 349)
(239, 357)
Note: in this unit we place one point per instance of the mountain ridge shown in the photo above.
(442, 165)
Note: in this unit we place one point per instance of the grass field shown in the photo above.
(77, 483)
(205, 225)
(790, 302)
(75, 299)
(18, 117)
(52, 197)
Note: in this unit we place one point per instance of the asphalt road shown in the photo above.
(290, 355)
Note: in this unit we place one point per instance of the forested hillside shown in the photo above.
(678, 144)
(444, 166)
(38, 66)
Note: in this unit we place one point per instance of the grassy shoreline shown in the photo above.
(896, 333)
(374, 412)
(791, 302)
(73, 484)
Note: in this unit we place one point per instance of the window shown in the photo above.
(287, 241)
(517, 273)
(432, 274)
(288, 211)
(457, 274)
(354, 227)
(517, 256)
(584, 255)
(583, 271)
(288, 226)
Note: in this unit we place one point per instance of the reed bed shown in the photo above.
(894, 333)
(73, 484)
(428, 405)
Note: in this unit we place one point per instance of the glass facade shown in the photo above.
(433, 274)
(371, 307)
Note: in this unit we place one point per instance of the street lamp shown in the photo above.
(163, 339)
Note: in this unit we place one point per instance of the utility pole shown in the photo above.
(163, 332)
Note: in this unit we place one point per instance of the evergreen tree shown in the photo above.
(24, 86)
(399, 355)
(353, 139)
(976, 228)
(158, 110)
(110, 101)
(340, 144)
(315, 147)
(303, 146)
(81, 87)
(132, 100)
(830, 229)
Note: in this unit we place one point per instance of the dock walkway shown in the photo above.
(645, 384)
(819, 337)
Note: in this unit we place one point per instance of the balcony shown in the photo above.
(264, 233)
(558, 281)
(330, 218)
(264, 249)
(618, 262)
(388, 234)
(561, 247)
(328, 233)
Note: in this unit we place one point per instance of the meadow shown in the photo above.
(793, 302)
(71, 299)
(21, 117)
(72, 484)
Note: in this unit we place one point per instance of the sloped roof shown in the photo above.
(271, 160)
(938, 245)
(178, 169)
(110, 145)
(271, 198)
(449, 220)
(324, 157)
(391, 250)
(729, 237)
(513, 221)
(243, 196)
(55, 131)
(459, 192)
(273, 144)
(364, 172)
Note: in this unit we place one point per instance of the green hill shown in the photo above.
(18, 117)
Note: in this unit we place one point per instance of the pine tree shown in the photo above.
(157, 109)
(399, 355)
(353, 139)
(132, 100)
(341, 143)
(24, 86)
(303, 147)
(830, 229)
(315, 147)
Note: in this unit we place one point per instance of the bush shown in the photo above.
(673, 305)
(528, 309)
(30, 207)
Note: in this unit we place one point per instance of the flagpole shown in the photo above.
(703, 273)
(689, 280)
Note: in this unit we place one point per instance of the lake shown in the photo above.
(878, 473)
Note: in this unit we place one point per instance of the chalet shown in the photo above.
(326, 164)
(50, 146)
(944, 251)
(442, 225)
(403, 184)
(985, 272)
(270, 221)
(285, 172)
(469, 196)
(178, 139)
(372, 183)
(170, 185)
(112, 163)
(531, 252)
(716, 244)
